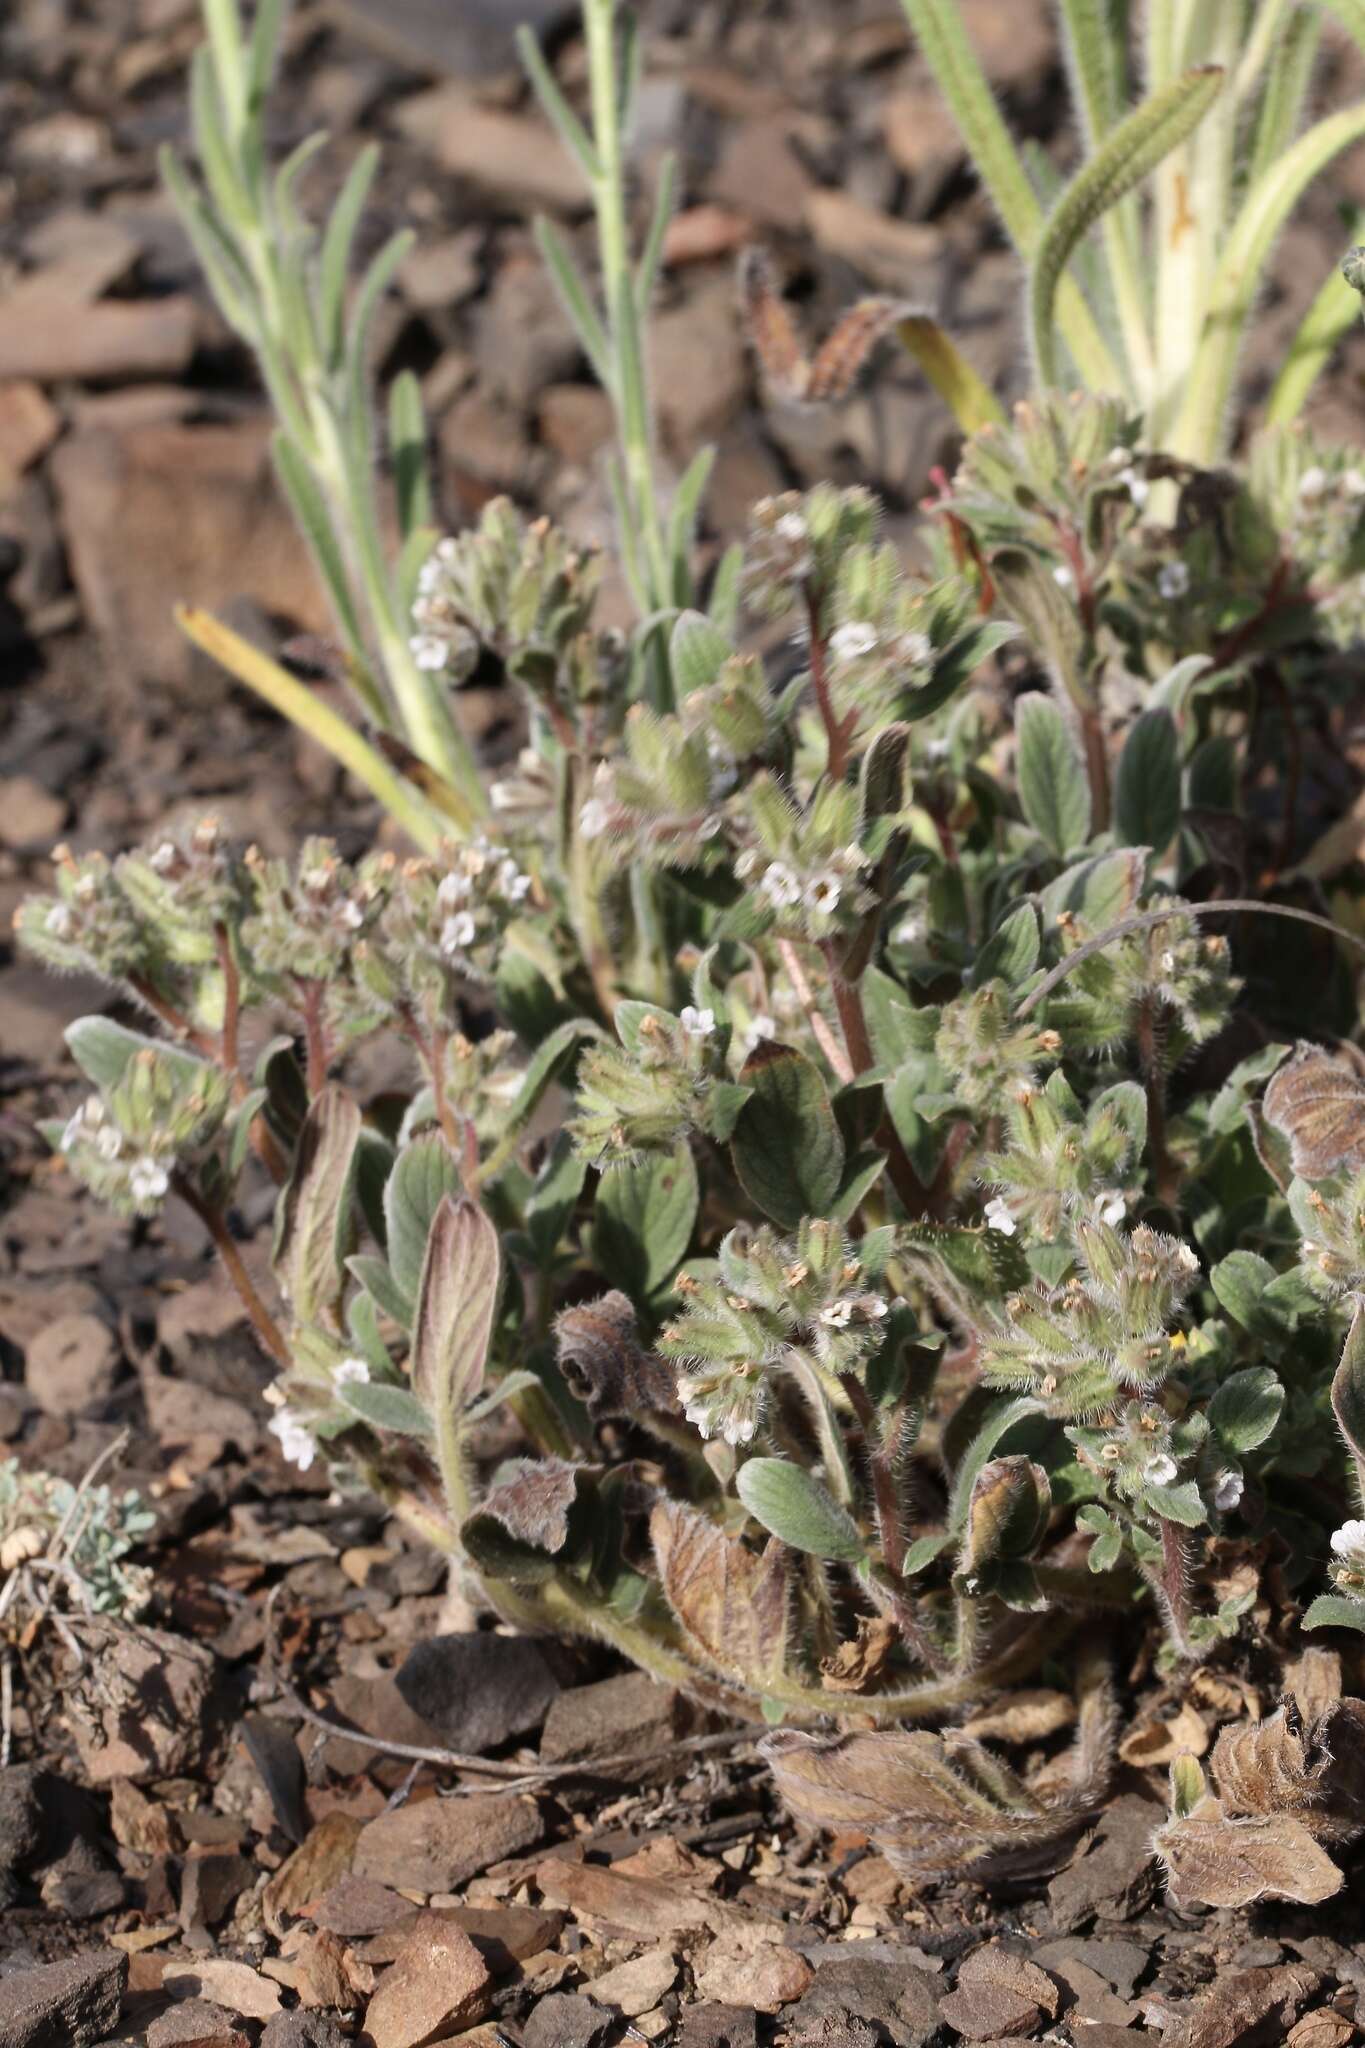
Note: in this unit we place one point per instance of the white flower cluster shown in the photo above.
(439, 632)
(785, 887)
(121, 1167)
(724, 1401)
(484, 876)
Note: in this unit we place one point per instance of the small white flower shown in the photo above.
(163, 859)
(780, 886)
(148, 1179)
(838, 1315)
(760, 1028)
(873, 1309)
(1349, 1540)
(59, 921)
(791, 526)
(458, 932)
(429, 576)
(593, 818)
(1174, 581)
(697, 1023)
(428, 652)
(452, 890)
(1186, 1259)
(1228, 1487)
(999, 1217)
(296, 1440)
(1138, 488)
(512, 884)
(739, 1429)
(351, 1372)
(849, 642)
(1168, 963)
(1160, 1470)
(1353, 483)
(915, 649)
(822, 894)
(1064, 577)
(447, 551)
(350, 914)
(109, 1143)
(1113, 1207)
(1313, 484)
(911, 930)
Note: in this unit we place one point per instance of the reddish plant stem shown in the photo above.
(838, 731)
(174, 1020)
(1096, 765)
(1165, 1172)
(1234, 645)
(819, 1024)
(230, 1049)
(853, 1023)
(882, 1473)
(436, 1063)
(314, 1035)
(1174, 1584)
(214, 1221)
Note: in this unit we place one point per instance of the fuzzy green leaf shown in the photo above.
(425, 1173)
(1247, 1407)
(314, 1211)
(643, 1220)
(457, 1297)
(787, 1148)
(1121, 162)
(386, 1407)
(1335, 1610)
(1053, 790)
(796, 1509)
(1147, 790)
(1182, 1504)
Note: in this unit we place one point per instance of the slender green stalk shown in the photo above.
(1328, 320)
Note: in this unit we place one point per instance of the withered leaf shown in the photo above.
(858, 1667)
(1310, 1767)
(732, 1603)
(606, 1366)
(1159, 1742)
(1213, 1859)
(831, 372)
(1028, 1715)
(935, 1805)
(1319, 1105)
(533, 1503)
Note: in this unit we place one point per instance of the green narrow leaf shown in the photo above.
(1147, 786)
(651, 256)
(1011, 953)
(222, 174)
(556, 108)
(577, 303)
(103, 1049)
(334, 265)
(682, 523)
(315, 523)
(1053, 790)
(386, 1407)
(1122, 161)
(1330, 318)
(217, 254)
(795, 1507)
(408, 453)
(373, 1275)
(787, 1147)
(1348, 1392)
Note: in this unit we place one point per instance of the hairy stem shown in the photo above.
(1165, 1169)
(216, 1224)
(1172, 1584)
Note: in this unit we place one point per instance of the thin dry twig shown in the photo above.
(512, 1777)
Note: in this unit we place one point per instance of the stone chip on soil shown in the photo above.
(565, 2019)
(438, 1985)
(69, 2003)
(433, 1845)
(75, 1360)
(900, 2001)
(477, 1690)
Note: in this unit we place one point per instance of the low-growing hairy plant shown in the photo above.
(854, 1126)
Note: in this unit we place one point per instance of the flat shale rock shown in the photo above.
(438, 1985)
(898, 2000)
(1115, 1874)
(433, 1845)
(616, 1717)
(477, 1691)
(165, 513)
(472, 40)
(637, 1986)
(150, 1710)
(62, 2005)
(720, 2026)
(566, 2020)
(71, 1363)
(199, 2023)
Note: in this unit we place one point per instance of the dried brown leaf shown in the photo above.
(1313, 1768)
(1153, 1743)
(1213, 1859)
(1024, 1716)
(859, 1666)
(732, 1603)
(940, 1804)
(1319, 1105)
(533, 1504)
